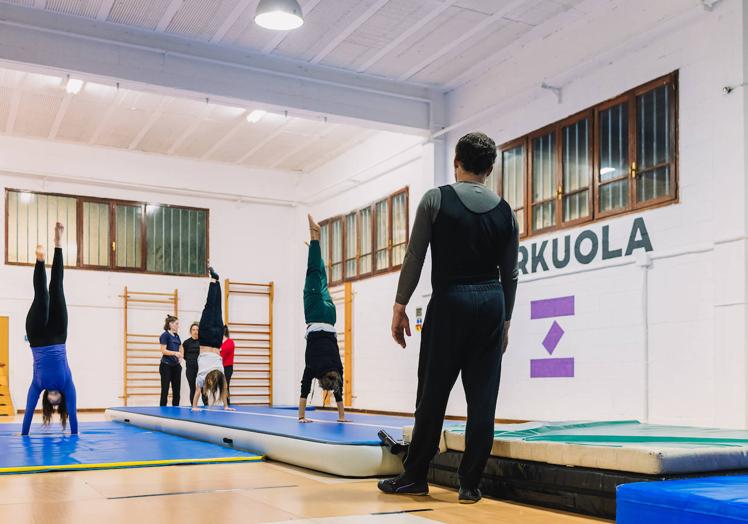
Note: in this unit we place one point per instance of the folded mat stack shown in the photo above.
(577, 466)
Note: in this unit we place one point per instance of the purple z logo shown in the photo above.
(552, 367)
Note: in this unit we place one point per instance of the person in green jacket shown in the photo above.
(322, 356)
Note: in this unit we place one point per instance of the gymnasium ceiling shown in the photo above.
(432, 43)
(428, 42)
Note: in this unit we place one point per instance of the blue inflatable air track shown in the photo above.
(350, 449)
(711, 500)
(103, 445)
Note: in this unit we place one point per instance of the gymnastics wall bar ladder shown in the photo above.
(342, 297)
(6, 402)
(252, 381)
(143, 350)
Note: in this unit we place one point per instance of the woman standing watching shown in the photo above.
(191, 348)
(227, 354)
(171, 354)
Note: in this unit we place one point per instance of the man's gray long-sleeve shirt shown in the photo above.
(478, 199)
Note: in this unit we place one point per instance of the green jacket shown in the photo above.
(318, 304)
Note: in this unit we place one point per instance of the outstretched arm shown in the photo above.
(71, 402)
(196, 398)
(306, 388)
(31, 400)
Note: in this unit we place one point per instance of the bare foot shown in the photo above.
(314, 229)
(40, 253)
(59, 230)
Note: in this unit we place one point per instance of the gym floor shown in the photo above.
(224, 493)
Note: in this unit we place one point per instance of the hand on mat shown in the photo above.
(343, 420)
(195, 409)
(305, 420)
(400, 324)
(229, 409)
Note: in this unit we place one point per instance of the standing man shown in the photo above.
(474, 241)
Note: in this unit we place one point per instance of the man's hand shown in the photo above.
(506, 336)
(305, 420)
(400, 324)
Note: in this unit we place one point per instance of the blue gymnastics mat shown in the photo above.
(103, 445)
(710, 500)
(360, 431)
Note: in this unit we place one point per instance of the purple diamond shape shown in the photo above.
(553, 337)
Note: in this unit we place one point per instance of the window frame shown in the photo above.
(372, 208)
(573, 119)
(112, 203)
(524, 143)
(330, 222)
(593, 113)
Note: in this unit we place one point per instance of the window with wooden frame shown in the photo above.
(351, 246)
(324, 245)
(366, 236)
(382, 238)
(368, 241)
(110, 235)
(336, 250)
(616, 157)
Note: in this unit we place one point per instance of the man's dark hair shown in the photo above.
(477, 153)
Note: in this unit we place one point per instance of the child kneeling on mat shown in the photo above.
(322, 355)
(211, 379)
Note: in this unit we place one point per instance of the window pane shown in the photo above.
(614, 195)
(653, 184)
(513, 169)
(365, 225)
(543, 215)
(614, 143)
(543, 180)
(337, 250)
(653, 144)
(31, 221)
(577, 170)
(382, 233)
(176, 239)
(351, 235)
(96, 234)
(128, 221)
(324, 236)
(399, 228)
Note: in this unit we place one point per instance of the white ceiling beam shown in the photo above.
(348, 31)
(464, 37)
(313, 139)
(275, 42)
(246, 156)
(10, 124)
(156, 114)
(168, 16)
(590, 8)
(107, 51)
(405, 35)
(230, 21)
(104, 9)
(361, 136)
(104, 118)
(196, 122)
(238, 126)
(55, 128)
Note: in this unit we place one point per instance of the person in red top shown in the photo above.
(227, 353)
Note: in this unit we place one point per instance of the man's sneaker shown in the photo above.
(470, 495)
(401, 486)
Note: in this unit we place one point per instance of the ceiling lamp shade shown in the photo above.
(279, 15)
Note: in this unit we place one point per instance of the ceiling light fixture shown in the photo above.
(73, 85)
(279, 15)
(256, 115)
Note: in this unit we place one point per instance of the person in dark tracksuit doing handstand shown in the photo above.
(322, 355)
(474, 241)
